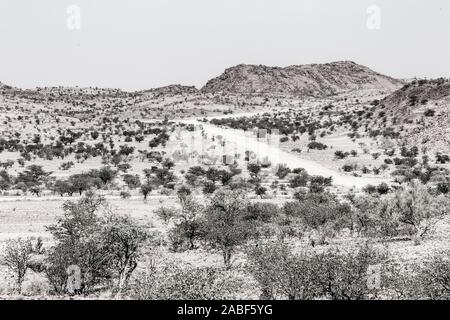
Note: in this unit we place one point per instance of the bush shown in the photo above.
(318, 183)
(260, 190)
(282, 171)
(412, 211)
(254, 168)
(345, 275)
(317, 145)
(331, 274)
(16, 258)
(429, 113)
(175, 282)
(261, 211)
(281, 274)
(146, 189)
(190, 226)
(383, 188)
(166, 213)
(225, 225)
(299, 180)
(442, 158)
(209, 187)
(348, 167)
(132, 181)
(102, 245)
(418, 209)
(340, 154)
(321, 213)
(125, 195)
(428, 281)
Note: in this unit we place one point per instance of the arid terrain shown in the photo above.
(323, 181)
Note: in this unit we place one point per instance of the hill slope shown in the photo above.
(423, 108)
(315, 80)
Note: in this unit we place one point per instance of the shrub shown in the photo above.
(100, 243)
(442, 158)
(348, 167)
(429, 113)
(383, 188)
(261, 211)
(318, 183)
(321, 213)
(299, 180)
(175, 282)
(122, 239)
(418, 209)
(282, 171)
(333, 274)
(281, 274)
(16, 258)
(428, 281)
(190, 226)
(340, 154)
(166, 213)
(125, 195)
(254, 168)
(209, 187)
(146, 189)
(225, 225)
(344, 275)
(260, 190)
(132, 181)
(317, 145)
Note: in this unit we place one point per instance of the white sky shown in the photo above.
(139, 44)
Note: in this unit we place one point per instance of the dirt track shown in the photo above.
(238, 141)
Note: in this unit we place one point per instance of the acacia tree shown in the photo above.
(16, 257)
(76, 234)
(96, 240)
(146, 189)
(322, 213)
(5, 180)
(190, 225)
(123, 239)
(225, 225)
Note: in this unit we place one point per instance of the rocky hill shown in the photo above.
(173, 90)
(422, 107)
(313, 80)
(418, 93)
(4, 86)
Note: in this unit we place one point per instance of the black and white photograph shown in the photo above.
(252, 151)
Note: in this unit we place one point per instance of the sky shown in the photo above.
(141, 44)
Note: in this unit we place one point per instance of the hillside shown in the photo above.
(418, 93)
(422, 108)
(174, 90)
(4, 86)
(316, 80)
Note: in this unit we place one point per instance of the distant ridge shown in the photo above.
(310, 80)
(315, 80)
(175, 89)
